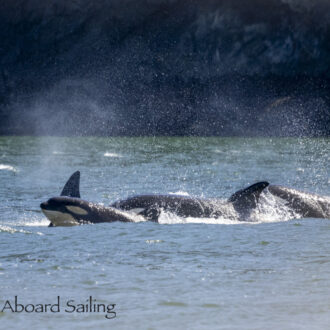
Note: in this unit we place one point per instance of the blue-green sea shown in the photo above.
(273, 273)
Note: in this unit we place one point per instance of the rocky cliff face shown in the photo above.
(168, 67)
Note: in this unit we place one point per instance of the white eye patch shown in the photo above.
(76, 210)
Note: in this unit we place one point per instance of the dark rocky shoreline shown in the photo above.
(165, 68)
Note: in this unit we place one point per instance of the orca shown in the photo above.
(306, 205)
(69, 209)
(238, 206)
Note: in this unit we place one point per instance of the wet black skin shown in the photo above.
(180, 205)
(306, 204)
(243, 201)
(95, 213)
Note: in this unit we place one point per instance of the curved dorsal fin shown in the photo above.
(247, 198)
(71, 188)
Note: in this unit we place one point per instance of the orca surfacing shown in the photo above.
(239, 205)
(69, 209)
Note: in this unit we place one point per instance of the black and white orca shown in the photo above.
(69, 209)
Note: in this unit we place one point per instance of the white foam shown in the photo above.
(171, 218)
(12, 230)
(153, 241)
(30, 221)
(5, 167)
(180, 193)
(112, 155)
(229, 219)
(270, 209)
(37, 223)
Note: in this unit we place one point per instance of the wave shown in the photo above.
(35, 223)
(8, 168)
(26, 220)
(112, 155)
(11, 230)
(169, 218)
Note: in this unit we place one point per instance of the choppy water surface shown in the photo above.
(211, 274)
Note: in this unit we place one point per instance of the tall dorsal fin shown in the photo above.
(247, 198)
(71, 188)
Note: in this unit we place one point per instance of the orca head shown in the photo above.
(65, 211)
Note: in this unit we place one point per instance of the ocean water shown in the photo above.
(271, 273)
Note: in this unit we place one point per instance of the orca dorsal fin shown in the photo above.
(247, 198)
(71, 188)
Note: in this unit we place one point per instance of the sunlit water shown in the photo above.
(182, 273)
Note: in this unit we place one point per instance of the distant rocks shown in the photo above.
(167, 67)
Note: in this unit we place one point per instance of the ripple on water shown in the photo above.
(173, 304)
(211, 306)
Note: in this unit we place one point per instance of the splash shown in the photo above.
(180, 193)
(169, 218)
(5, 167)
(11, 230)
(36, 223)
(154, 241)
(270, 209)
(112, 155)
(240, 60)
(29, 221)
